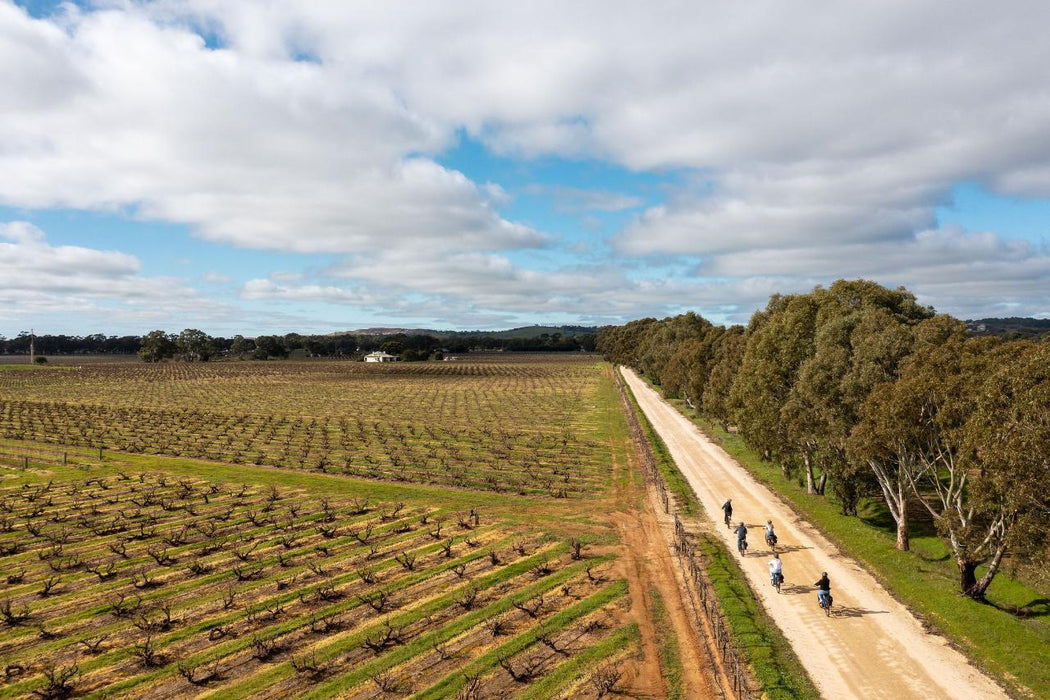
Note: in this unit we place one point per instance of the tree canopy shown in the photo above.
(861, 388)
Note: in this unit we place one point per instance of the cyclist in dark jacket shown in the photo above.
(823, 588)
(741, 538)
(727, 508)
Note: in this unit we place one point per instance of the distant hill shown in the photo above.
(523, 332)
(1010, 327)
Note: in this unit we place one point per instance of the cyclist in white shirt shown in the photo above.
(776, 569)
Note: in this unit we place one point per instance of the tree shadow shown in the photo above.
(788, 548)
(1035, 608)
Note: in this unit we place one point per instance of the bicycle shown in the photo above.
(825, 603)
(777, 578)
(741, 546)
(771, 542)
(729, 516)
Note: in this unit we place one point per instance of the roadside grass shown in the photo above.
(768, 652)
(670, 658)
(674, 479)
(1012, 647)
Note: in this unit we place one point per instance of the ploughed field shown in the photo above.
(505, 424)
(146, 584)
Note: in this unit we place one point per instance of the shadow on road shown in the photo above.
(794, 589)
(846, 611)
(788, 548)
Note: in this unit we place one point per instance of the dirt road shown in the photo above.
(871, 647)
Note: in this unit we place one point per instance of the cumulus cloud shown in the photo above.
(249, 149)
(40, 279)
(813, 141)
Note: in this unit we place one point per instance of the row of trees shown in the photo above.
(196, 345)
(860, 389)
(94, 344)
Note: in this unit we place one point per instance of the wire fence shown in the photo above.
(708, 614)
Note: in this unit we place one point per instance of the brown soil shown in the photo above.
(650, 565)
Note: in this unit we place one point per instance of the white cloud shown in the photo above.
(39, 280)
(216, 278)
(255, 150)
(577, 200)
(813, 141)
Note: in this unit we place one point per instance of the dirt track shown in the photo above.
(871, 646)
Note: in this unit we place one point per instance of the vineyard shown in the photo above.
(143, 584)
(516, 426)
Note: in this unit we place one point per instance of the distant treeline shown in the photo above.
(1012, 328)
(195, 345)
(860, 389)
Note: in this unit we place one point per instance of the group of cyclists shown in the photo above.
(776, 565)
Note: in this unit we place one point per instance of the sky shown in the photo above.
(264, 167)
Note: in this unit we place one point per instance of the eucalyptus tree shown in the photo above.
(686, 371)
(621, 344)
(780, 341)
(863, 332)
(156, 346)
(663, 340)
(728, 353)
(194, 345)
(1005, 457)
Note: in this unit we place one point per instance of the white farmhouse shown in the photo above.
(380, 356)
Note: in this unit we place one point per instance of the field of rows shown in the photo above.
(507, 424)
(142, 584)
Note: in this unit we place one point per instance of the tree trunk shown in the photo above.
(903, 543)
(822, 483)
(968, 579)
(993, 568)
(810, 486)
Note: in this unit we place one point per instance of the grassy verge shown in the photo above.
(1012, 647)
(774, 663)
(676, 483)
(670, 658)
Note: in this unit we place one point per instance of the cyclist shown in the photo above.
(727, 508)
(776, 570)
(771, 537)
(741, 538)
(823, 590)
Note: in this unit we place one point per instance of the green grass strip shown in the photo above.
(355, 676)
(676, 482)
(569, 673)
(670, 657)
(218, 651)
(164, 593)
(453, 683)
